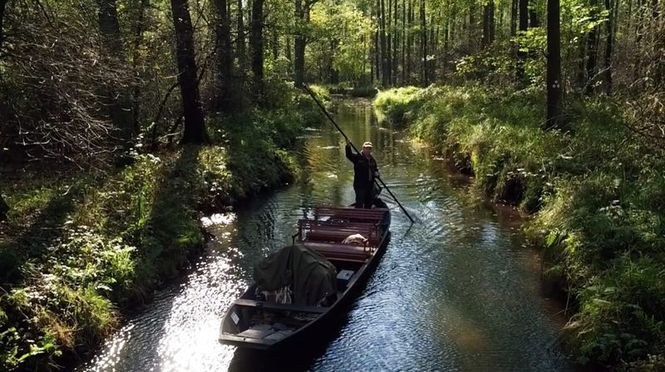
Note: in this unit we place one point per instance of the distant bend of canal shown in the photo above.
(457, 291)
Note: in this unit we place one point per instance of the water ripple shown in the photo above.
(454, 292)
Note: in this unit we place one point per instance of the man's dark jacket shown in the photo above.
(364, 169)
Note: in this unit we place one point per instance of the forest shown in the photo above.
(121, 121)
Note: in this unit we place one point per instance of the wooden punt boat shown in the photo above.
(251, 323)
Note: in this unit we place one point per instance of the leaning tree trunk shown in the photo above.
(256, 45)
(119, 102)
(553, 66)
(195, 131)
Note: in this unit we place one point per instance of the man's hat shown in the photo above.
(367, 144)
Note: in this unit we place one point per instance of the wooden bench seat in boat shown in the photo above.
(275, 306)
(341, 251)
(374, 215)
(333, 232)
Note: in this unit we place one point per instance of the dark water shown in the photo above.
(457, 291)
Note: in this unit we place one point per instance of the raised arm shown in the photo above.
(349, 153)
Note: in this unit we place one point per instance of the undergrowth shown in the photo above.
(79, 249)
(596, 192)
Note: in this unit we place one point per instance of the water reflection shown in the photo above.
(456, 291)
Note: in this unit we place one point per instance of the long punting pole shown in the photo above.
(354, 147)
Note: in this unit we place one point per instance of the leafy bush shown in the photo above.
(394, 103)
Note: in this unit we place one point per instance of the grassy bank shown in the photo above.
(79, 248)
(597, 196)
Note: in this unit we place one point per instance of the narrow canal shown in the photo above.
(457, 291)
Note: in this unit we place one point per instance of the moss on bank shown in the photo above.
(78, 249)
(597, 194)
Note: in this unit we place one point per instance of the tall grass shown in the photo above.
(596, 193)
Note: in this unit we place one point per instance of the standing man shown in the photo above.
(365, 170)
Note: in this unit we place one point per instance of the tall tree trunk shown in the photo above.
(195, 131)
(446, 36)
(423, 42)
(523, 26)
(533, 16)
(433, 48)
(580, 79)
(610, 24)
(377, 57)
(389, 43)
(119, 102)
(289, 56)
(513, 18)
(3, 3)
(139, 28)
(639, 25)
(488, 21)
(409, 43)
(256, 45)
(404, 12)
(395, 57)
(592, 51)
(382, 31)
(492, 21)
(274, 44)
(4, 207)
(363, 75)
(553, 66)
(109, 26)
(299, 43)
(224, 92)
(241, 53)
(629, 16)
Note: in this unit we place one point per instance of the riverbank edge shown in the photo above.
(495, 136)
(82, 249)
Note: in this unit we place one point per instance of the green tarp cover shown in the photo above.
(310, 276)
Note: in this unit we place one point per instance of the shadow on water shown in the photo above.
(295, 358)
